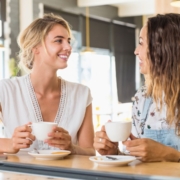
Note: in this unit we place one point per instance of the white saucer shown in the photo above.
(48, 154)
(104, 161)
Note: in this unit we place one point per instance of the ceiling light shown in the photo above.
(87, 48)
(175, 3)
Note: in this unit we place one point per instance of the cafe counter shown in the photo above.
(80, 167)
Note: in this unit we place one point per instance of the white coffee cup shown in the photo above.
(41, 129)
(118, 130)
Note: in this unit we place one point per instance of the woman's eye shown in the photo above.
(59, 40)
(140, 41)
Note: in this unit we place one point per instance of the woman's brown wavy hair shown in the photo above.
(163, 34)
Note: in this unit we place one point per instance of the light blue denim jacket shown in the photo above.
(167, 137)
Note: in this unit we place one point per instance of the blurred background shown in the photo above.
(105, 35)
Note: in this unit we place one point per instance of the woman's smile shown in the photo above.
(63, 57)
(140, 62)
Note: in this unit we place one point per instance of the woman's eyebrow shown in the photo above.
(62, 37)
(59, 37)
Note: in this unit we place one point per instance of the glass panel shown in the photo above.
(96, 72)
(1, 65)
(0, 28)
(2, 61)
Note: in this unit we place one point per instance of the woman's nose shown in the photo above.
(136, 51)
(67, 46)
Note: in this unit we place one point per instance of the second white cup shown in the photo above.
(41, 129)
(118, 131)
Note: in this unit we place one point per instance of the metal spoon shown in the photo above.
(112, 158)
(36, 151)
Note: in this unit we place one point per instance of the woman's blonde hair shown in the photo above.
(35, 34)
(163, 82)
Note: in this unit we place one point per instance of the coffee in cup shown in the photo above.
(118, 130)
(41, 129)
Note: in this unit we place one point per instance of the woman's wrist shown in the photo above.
(172, 155)
(73, 149)
(8, 146)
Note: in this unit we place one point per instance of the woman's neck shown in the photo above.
(44, 82)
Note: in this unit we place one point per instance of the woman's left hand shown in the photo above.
(60, 138)
(146, 149)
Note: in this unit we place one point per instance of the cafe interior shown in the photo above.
(105, 34)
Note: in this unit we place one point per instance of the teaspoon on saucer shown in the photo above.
(36, 150)
(112, 158)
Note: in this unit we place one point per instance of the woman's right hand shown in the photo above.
(22, 138)
(103, 145)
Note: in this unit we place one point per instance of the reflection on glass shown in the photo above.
(96, 73)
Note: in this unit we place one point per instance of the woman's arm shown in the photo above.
(6, 146)
(22, 138)
(85, 135)
(62, 140)
(5, 141)
(149, 150)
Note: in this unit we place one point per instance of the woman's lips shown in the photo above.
(62, 56)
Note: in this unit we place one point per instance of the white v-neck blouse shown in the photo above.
(20, 106)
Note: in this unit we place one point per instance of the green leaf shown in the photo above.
(13, 68)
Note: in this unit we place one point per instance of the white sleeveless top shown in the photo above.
(20, 106)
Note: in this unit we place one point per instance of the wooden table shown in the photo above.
(80, 167)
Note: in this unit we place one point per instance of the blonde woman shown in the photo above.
(156, 110)
(42, 96)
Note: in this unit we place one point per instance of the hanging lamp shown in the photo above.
(87, 48)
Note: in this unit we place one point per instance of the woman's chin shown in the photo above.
(142, 71)
(63, 67)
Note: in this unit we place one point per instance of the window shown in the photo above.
(97, 71)
(2, 20)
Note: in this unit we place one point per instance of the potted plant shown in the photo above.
(13, 68)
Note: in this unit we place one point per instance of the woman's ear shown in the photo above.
(35, 50)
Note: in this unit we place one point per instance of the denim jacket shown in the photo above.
(150, 122)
